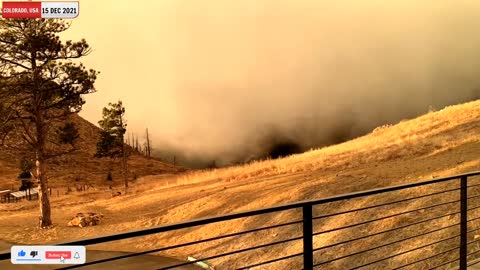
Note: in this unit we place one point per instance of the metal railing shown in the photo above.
(451, 209)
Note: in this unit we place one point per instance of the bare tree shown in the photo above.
(147, 145)
(137, 149)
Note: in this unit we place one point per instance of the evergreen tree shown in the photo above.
(40, 86)
(26, 165)
(111, 142)
(114, 126)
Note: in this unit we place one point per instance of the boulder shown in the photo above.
(85, 219)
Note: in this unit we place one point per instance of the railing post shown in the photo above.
(307, 237)
(463, 223)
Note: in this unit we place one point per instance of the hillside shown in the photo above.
(81, 167)
(436, 144)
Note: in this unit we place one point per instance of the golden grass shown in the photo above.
(428, 134)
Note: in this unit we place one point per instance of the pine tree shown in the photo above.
(40, 86)
(112, 137)
(113, 127)
(26, 166)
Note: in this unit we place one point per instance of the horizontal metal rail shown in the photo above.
(473, 253)
(428, 258)
(385, 204)
(385, 217)
(473, 219)
(384, 245)
(473, 197)
(473, 263)
(474, 185)
(407, 251)
(383, 232)
(473, 208)
(443, 264)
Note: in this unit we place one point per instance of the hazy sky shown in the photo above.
(220, 77)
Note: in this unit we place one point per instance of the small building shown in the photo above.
(29, 194)
(4, 194)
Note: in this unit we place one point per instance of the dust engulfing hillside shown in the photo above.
(80, 167)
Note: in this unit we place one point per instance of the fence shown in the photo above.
(438, 233)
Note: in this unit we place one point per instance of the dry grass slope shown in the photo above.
(437, 144)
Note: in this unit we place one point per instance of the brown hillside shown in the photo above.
(81, 166)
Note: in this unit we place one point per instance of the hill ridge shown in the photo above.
(64, 170)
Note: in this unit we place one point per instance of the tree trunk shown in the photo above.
(124, 159)
(43, 198)
(136, 144)
(39, 146)
(147, 150)
(125, 170)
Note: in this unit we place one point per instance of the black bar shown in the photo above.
(403, 239)
(387, 203)
(443, 264)
(385, 217)
(383, 245)
(427, 258)
(473, 230)
(473, 208)
(476, 185)
(382, 232)
(473, 263)
(472, 197)
(463, 223)
(473, 219)
(307, 237)
(473, 253)
(404, 252)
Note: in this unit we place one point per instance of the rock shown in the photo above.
(85, 219)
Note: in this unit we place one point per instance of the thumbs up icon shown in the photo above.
(21, 253)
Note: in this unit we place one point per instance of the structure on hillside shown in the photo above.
(7, 196)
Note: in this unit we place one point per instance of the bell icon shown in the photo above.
(76, 256)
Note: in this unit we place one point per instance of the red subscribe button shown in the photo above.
(58, 254)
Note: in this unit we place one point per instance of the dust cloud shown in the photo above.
(235, 80)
